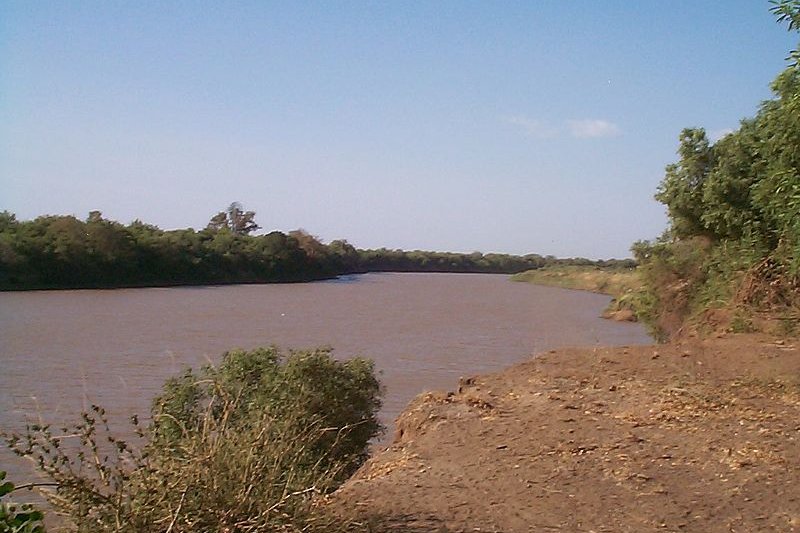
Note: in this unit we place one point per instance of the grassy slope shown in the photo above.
(621, 283)
(614, 282)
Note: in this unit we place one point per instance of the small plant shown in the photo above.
(742, 324)
(17, 518)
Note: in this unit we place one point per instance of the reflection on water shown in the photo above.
(61, 351)
(345, 278)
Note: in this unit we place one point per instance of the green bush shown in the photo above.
(736, 202)
(302, 389)
(671, 273)
(249, 445)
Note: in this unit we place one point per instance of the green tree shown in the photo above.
(726, 203)
(734, 211)
(234, 219)
(682, 188)
(311, 245)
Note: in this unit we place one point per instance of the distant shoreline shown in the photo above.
(167, 285)
(164, 285)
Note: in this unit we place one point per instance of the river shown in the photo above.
(62, 351)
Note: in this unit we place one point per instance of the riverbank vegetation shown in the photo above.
(251, 445)
(614, 281)
(731, 256)
(66, 252)
(619, 280)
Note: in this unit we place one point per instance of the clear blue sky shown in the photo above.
(535, 126)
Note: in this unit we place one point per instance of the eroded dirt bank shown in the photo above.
(695, 436)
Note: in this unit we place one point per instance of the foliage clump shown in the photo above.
(734, 210)
(304, 389)
(249, 445)
(17, 518)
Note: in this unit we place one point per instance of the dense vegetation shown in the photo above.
(62, 251)
(249, 445)
(65, 252)
(731, 256)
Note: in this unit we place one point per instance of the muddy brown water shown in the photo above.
(62, 351)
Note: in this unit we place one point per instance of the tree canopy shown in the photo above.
(235, 220)
(734, 210)
(63, 251)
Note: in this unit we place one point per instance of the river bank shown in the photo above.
(699, 435)
(621, 283)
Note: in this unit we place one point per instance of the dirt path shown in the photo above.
(699, 436)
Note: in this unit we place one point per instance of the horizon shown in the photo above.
(512, 128)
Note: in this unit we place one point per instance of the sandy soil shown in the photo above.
(694, 436)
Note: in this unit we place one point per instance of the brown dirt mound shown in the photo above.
(698, 436)
(622, 315)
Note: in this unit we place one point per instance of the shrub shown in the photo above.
(245, 446)
(303, 389)
(671, 273)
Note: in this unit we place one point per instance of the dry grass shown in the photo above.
(614, 282)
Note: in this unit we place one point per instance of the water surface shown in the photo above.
(64, 350)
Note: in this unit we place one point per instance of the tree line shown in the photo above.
(734, 211)
(65, 252)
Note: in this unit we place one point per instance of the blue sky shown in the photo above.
(537, 126)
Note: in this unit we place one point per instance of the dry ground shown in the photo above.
(699, 436)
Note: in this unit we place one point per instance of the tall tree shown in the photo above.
(682, 188)
(234, 219)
